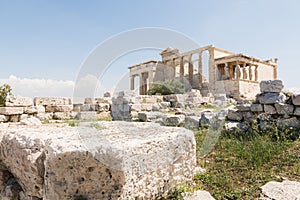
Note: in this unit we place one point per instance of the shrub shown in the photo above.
(5, 90)
(166, 87)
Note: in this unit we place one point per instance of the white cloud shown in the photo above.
(39, 87)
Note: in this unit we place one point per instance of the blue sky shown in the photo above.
(51, 39)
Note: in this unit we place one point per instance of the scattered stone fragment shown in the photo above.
(149, 116)
(198, 195)
(296, 99)
(286, 190)
(32, 121)
(173, 120)
(4, 118)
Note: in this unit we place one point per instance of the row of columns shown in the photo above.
(145, 79)
(188, 59)
(238, 72)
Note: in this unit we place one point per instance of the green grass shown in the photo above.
(236, 168)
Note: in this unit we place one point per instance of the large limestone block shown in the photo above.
(271, 86)
(16, 101)
(11, 110)
(117, 160)
(271, 98)
(63, 115)
(52, 101)
(284, 109)
(296, 99)
(59, 108)
(244, 107)
(256, 108)
(285, 190)
(270, 109)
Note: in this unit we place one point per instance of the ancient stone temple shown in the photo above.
(236, 75)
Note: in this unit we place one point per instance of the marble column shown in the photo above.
(256, 73)
(200, 68)
(141, 86)
(181, 68)
(191, 70)
(132, 82)
(226, 71)
(250, 72)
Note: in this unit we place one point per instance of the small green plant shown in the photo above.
(96, 126)
(177, 192)
(73, 123)
(106, 118)
(166, 87)
(5, 90)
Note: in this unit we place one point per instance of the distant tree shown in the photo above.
(5, 90)
(166, 87)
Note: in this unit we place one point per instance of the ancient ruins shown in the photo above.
(236, 75)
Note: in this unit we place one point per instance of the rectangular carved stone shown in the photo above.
(14, 101)
(117, 160)
(270, 109)
(59, 108)
(271, 86)
(256, 108)
(11, 110)
(284, 109)
(52, 101)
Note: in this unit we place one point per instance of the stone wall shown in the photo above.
(271, 105)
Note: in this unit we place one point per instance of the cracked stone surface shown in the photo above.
(107, 160)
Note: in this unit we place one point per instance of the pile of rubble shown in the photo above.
(271, 105)
(93, 108)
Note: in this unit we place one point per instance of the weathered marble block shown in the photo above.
(117, 160)
(271, 86)
(59, 108)
(52, 101)
(16, 101)
(11, 110)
